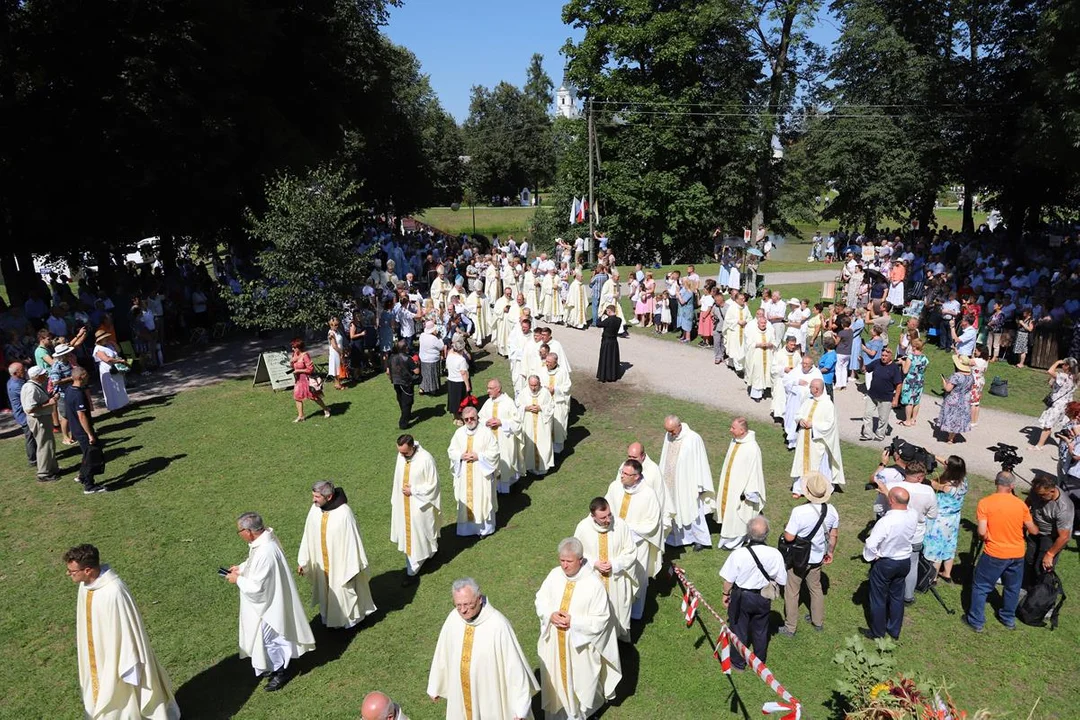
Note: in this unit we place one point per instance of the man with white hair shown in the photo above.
(746, 573)
(16, 381)
(500, 414)
(332, 557)
(379, 706)
(637, 505)
(476, 306)
(609, 548)
(273, 625)
(757, 358)
(38, 405)
(736, 319)
(441, 287)
(521, 347)
(796, 388)
(579, 654)
(474, 457)
(537, 414)
(479, 667)
(504, 316)
(741, 493)
(684, 467)
(415, 506)
(817, 447)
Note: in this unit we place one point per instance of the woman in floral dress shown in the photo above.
(955, 415)
(939, 545)
(1063, 376)
(978, 381)
(914, 366)
(1024, 327)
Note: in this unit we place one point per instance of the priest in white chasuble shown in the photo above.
(493, 286)
(556, 381)
(537, 417)
(785, 360)
(684, 466)
(332, 558)
(610, 550)
(476, 305)
(479, 668)
(504, 317)
(650, 474)
(550, 303)
(474, 456)
(519, 348)
(635, 504)
(577, 304)
(741, 490)
(273, 625)
(817, 448)
(415, 506)
(796, 390)
(757, 357)
(530, 288)
(579, 652)
(441, 287)
(118, 672)
(500, 414)
(533, 354)
(556, 347)
(736, 328)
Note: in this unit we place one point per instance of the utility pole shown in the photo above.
(592, 236)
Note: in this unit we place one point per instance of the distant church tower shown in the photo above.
(566, 100)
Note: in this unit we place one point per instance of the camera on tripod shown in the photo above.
(1006, 455)
(908, 452)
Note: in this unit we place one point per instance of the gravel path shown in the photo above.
(665, 367)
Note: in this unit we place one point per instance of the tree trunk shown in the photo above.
(969, 206)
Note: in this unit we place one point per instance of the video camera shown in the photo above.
(908, 452)
(1006, 455)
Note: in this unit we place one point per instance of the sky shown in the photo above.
(462, 43)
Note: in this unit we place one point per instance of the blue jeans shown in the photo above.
(987, 572)
(595, 307)
(887, 596)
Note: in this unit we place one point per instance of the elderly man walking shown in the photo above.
(15, 383)
(746, 573)
(379, 706)
(684, 467)
(38, 406)
(741, 492)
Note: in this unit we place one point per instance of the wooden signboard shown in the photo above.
(275, 369)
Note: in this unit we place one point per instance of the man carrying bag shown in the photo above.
(808, 542)
(752, 574)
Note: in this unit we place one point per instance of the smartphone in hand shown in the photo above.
(222, 572)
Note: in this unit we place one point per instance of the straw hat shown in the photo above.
(101, 335)
(816, 487)
(962, 363)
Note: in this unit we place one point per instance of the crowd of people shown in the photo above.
(421, 333)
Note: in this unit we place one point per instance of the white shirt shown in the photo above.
(803, 519)
(891, 536)
(740, 569)
(456, 366)
(923, 503)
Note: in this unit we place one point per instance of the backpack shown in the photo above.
(999, 387)
(1045, 597)
(797, 552)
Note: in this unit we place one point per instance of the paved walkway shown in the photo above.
(718, 386)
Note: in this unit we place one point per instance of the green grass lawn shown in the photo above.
(489, 220)
(195, 461)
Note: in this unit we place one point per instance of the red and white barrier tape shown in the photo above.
(692, 599)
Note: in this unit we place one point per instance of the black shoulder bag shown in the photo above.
(797, 552)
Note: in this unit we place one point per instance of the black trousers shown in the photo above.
(1035, 548)
(31, 445)
(404, 400)
(93, 461)
(887, 596)
(748, 616)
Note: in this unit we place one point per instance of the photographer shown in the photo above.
(886, 476)
(1052, 512)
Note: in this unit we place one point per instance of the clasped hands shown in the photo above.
(560, 620)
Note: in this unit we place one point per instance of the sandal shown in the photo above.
(299, 419)
(326, 413)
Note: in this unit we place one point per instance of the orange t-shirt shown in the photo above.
(1005, 515)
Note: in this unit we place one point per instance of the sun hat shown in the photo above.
(102, 335)
(816, 487)
(962, 363)
(794, 301)
(429, 326)
(61, 350)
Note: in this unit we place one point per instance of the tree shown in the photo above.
(538, 85)
(310, 261)
(670, 84)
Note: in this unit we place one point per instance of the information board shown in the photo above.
(275, 369)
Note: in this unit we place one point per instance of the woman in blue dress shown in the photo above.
(857, 325)
(939, 545)
(914, 366)
(955, 416)
(685, 319)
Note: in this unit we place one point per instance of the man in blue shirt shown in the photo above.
(82, 429)
(882, 395)
(596, 285)
(15, 383)
(965, 339)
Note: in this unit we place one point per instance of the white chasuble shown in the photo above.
(557, 384)
(480, 669)
(577, 305)
(783, 364)
(477, 307)
(415, 519)
(817, 449)
(334, 562)
(757, 361)
(474, 480)
(500, 327)
(118, 672)
(735, 334)
(613, 544)
(740, 492)
(537, 431)
(579, 667)
(684, 467)
(268, 597)
(639, 509)
(508, 436)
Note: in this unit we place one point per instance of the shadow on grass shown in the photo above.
(142, 470)
(631, 670)
(427, 413)
(219, 691)
(126, 424)
(330, 645)
(112, 452)
(573, 436)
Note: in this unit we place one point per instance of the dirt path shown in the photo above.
(687, 372)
